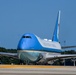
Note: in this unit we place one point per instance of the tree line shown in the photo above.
(2, 49)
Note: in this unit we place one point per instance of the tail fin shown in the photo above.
(56, 30)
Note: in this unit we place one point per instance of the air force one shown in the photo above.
(32, 49)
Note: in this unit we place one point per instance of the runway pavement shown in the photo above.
(36, 70)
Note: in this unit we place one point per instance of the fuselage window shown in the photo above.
(26, 37)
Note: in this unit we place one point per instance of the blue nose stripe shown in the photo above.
(29, 43)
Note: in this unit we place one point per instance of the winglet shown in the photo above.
(56, 30)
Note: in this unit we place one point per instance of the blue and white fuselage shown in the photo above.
(31, 47)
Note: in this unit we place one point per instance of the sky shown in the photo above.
(18, 17)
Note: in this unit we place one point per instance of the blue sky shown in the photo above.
(36, 16)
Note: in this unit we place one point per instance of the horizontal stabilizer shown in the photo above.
(65, 47)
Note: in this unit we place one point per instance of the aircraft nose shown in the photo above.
(25, 44)
(28, 42)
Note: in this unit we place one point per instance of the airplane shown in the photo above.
(33, 49)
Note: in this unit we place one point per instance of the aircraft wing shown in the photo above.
(14, 55)
(66, 56)
(64, 47)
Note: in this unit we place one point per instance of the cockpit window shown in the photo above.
(26, 37)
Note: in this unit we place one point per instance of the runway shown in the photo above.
(36, 70)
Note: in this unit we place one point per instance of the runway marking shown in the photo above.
(33, 66)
